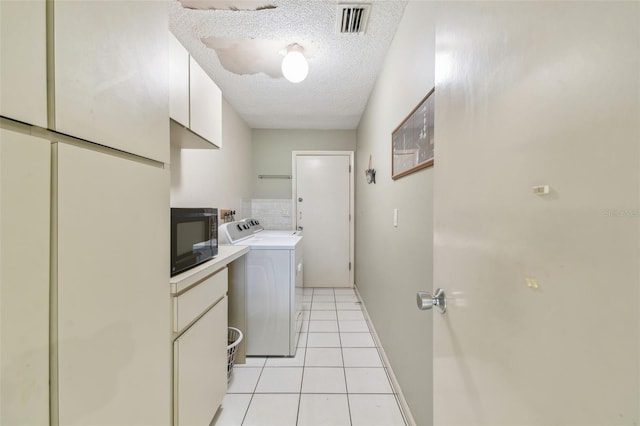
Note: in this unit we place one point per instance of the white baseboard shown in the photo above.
(404, 407)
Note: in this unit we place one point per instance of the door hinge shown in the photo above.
(349, 265)
(349, 217)
(349, 168)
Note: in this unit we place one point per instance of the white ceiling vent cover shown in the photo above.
(352, 18)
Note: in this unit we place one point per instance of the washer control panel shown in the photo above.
(233, 232)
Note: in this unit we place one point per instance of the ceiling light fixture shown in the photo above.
(294, 65)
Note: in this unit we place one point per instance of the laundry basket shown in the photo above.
(234, 337)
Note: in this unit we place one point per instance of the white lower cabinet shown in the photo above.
(200, 373)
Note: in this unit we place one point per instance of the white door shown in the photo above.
(323, 203)
(542, 321)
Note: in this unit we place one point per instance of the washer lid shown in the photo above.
(262, 241)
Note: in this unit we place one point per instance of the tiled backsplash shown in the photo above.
(276, 214)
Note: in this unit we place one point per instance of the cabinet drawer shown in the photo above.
(196, 300)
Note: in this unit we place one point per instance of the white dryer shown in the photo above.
(273, 296)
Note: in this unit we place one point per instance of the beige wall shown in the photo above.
(272, 155)
(393, 263)
(212, 177)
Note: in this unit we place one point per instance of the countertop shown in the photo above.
(226, 255)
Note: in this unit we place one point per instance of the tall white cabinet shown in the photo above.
(84, 213)
(24, 278)
(25, 169)
(113, 307)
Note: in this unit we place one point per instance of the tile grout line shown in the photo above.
(253, 393)
(344, 369)
(304, 359)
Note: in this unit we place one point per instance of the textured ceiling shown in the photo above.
(342, 67)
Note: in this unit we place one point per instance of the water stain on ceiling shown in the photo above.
(248, 56)
(253, 56)
(236, 5)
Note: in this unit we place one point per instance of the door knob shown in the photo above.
(300, 199)
(300, 228)
(427, 301)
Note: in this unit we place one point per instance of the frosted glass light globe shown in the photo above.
(295, 67)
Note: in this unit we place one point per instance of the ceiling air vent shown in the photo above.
(352, 18)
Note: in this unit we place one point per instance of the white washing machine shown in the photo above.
(273, 295)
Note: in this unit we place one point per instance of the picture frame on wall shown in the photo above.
(412, 142)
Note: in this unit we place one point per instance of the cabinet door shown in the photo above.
(25, 182)
(23, 61)
(200, 368)
(178, 81)
(206, 105)
(111, 74)
(113, 307)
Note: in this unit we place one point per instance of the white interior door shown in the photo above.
(542, 320)
(323, 204)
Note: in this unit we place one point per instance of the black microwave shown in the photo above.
(194, 237)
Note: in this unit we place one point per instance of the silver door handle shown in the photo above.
(300, 228)
(427, 301)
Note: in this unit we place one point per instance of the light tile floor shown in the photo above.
(336, 378)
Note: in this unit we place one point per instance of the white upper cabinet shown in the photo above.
(195, 101)
(179, 81)
(111, 74)
(206, 105)
(23, 61)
